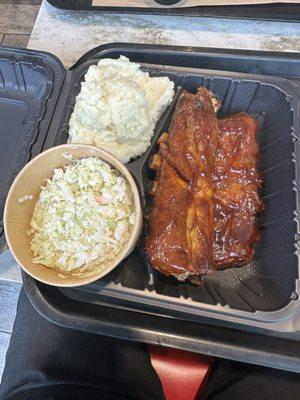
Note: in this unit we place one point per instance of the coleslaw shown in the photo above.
(84, 213)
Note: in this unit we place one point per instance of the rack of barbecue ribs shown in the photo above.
(205, 196)
(181, 221)
(236, 184)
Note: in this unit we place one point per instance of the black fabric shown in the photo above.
(48, 362)
(231, 380)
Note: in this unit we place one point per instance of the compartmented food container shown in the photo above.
(37, 96)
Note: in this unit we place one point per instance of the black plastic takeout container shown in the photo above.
(262, 294)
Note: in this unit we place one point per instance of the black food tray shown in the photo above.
(264, 292)
(289, 12)
(116, 296)
(29, 87)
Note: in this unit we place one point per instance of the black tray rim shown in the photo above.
(188, 50)
(21, 51)
(16, 54)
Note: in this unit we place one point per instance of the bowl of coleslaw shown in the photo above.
(72, 215)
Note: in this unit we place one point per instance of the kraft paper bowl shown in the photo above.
(17, 215)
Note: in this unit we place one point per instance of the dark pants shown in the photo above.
(47, 362)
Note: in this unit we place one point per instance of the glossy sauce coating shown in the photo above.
(236, 184)
(205, 197)
(181, 220)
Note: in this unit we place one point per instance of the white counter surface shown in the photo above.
(69, 34)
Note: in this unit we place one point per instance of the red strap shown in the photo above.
(182, 373)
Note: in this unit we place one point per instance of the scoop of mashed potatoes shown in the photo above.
(118, 107)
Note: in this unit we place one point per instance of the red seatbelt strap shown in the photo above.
(181, 373)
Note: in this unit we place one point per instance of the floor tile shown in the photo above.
(4, 342)
(15, 40)
(9, 294)
(9, 268)
(28, 2)
(17, 19)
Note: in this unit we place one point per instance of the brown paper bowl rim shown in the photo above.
(135, 233)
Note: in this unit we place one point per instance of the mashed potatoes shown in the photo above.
(118, 107)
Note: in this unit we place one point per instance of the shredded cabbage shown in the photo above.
(85, 212)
